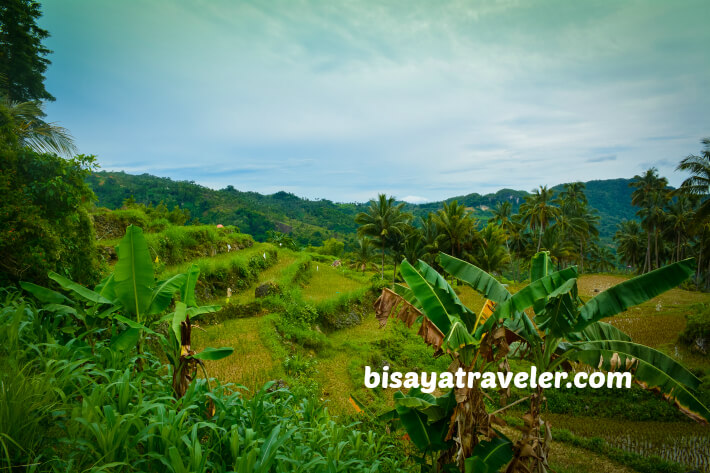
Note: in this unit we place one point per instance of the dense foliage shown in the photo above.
(68, 406)
(44, 221)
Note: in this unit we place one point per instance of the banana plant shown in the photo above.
(131, 296)
(562, 330)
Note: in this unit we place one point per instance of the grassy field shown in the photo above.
(338, 367)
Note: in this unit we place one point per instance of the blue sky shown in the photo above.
(420, 99)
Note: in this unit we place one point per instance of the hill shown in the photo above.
(312, 221)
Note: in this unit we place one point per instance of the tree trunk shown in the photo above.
(539, 240)
(581, 255)
(655, 234)
(394, 275)
(382, 273)
(647, 263)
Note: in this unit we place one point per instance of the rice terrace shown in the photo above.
(177, 294)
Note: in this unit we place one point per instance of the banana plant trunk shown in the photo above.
(182, 375)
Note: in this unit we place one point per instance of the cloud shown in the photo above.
(601, 159)
(345, 102)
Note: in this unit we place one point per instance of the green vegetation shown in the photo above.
(109, 316)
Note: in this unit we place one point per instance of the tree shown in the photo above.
(699, 181)
(23, 59)
(629, 239)
(647, 195)
(363, 254)
(491, 254)
(538, 211)
(456, 224)
(382, 219)
(21, 124)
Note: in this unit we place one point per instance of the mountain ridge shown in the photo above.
(311, 221)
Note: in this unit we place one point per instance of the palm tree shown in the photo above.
(679, 218)
(699, 181)
(491, 254)
(433, 240)
(363, 255)
(629, 238)
(647, 195)
(22, 124)
(382, 219)
(538, 211)
(457, 225)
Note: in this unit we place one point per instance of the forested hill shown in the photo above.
(311, 221)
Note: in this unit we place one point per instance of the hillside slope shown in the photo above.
(312, 221)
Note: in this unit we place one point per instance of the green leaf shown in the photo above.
(133, 324)
(179, 317)
(164, 291)
(537, 290)
(559, 311)
(43, 294)
(446, 295)
(431, 305)
(78, 289)
(540, 265)
(634, 291)
(213, 354)
(655, 369)
(125, 340)
(479, 280)
(195, 312)
(490, 455)
(426, 435)
(187, 293)
(407, 295)
(133, 275)
(599, 331)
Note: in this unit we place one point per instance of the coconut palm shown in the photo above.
(649, 193)
(22, 124)
(538, 211)
(382, 219)
(432, 239)
(679, 220)
(490, 254)
(457, 225)
(363, 255)
(629, 238)
(699, 181)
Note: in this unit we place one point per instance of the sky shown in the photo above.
(343, 100)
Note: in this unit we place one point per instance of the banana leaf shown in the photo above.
(133, 324)
(427, 436)
(559, 312)
(599, 331)
(187, 293)
(125, 340)
(164, 291)
(537, 290)
(213, 354)
(179, 316)
(78, 289)
(653, 368)
(489, 456)
(43, 294)
(634, 291)
(479, 280)
(540, 265)
(133, 275)
(405, 293)
(431, 305)
(447, 295)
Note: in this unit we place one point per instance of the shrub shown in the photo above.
(697, 328)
